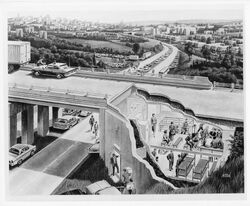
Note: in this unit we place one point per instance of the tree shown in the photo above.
(53, 49)
(208, 40)
(94, 60)
(237, 145)
(189, 49)
(203, 39)
(136, 48)
(206, 53)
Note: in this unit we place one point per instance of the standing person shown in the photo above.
(178, 162)
(200, 127)
(170, 158)
(154, 152)
(165, 138)
(153, 123)
(114, 163)
(130, 186)
(184, 127)
(171, 131)
(91, 122)
(95, 129)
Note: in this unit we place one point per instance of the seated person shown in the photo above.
(219, 134)
(189, 141)
(217, 143)
(165, 137)
(213, 133)
(195, 139)
(40, 62)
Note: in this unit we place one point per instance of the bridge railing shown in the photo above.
(58, 90)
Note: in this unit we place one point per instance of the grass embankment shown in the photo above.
(91, 171)
(101, 44)
(227, 179)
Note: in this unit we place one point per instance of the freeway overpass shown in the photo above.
(43, 173)
(96, 95)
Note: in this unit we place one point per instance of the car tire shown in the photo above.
(19, 162)
(32, 153)
(37, 74)
(59, 76)
(10, 68)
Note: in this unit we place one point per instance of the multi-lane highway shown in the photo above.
(168, 61)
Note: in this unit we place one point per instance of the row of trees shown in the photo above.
(225, 69)
(66, 45)
(71, 58)
(227, 60)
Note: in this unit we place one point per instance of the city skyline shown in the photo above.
(127, 14)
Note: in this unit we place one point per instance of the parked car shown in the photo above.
(84, 113)
(95, 148)
(74, 192)
(72, 112)
(102, 188)
(19, 152)
(65, 122)
(59, 70)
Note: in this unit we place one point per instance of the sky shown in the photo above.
(130, 11)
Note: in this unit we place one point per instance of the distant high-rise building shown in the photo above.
(43, 34)
(29, 29)
(19, 32)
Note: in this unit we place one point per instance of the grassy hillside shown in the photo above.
(101, 44)
(227, 179)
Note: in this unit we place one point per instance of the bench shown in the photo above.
(212, 168)
(185, 166)
(200, 169)
(177, 142)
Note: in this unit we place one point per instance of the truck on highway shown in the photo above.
(18, 54)
(146, 55)
(133, 57)
(58, 70)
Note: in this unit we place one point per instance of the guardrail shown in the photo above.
(179, 81)
(227, 85)
(48, 96)
(57, 90)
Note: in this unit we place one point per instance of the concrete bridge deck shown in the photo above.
(204, 103)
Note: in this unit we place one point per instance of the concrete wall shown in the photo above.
(119, 131)
(123, 107)
(116, 133)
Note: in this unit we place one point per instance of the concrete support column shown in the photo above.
(54, 114)
(102, 132)
(28, 125)
(43, 120)
(12, 129)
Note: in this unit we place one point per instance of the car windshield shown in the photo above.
(62, 121)
(14, 151)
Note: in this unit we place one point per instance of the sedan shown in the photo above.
(72, 112)
(19, 152)
(66, 122)
(102, 188)
(84, 113)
